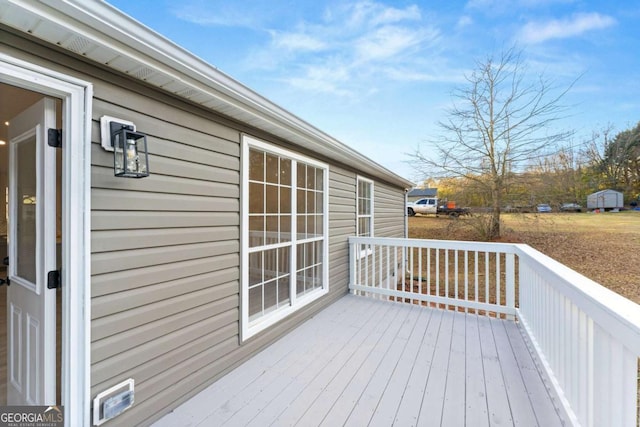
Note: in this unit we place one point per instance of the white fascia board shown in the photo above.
(104, 24)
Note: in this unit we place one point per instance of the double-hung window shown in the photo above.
(364, 211)
(285, 233)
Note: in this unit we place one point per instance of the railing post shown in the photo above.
(511, 283)
(352, 266)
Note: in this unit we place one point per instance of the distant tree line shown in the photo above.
(606, 160)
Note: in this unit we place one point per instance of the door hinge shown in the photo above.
(55, 138)
(53, 279)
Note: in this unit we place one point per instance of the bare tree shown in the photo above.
(501, 119)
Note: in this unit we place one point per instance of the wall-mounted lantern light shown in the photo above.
(130, 158)
(130, 154)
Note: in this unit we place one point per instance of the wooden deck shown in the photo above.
(370, 362)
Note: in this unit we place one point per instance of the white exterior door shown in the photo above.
(31, 323)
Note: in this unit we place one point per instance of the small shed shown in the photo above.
(419, 193)
(605, 199)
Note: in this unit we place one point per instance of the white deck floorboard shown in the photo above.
(366, 362)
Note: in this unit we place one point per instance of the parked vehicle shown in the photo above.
(570, 207)
(543, 207)
(518, 209)
(452, 210)
(429, 205)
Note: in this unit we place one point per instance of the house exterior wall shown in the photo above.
(389, 208)
(165, 250)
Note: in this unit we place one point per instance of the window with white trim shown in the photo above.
(285, 248)
(365, 207)
(364, 210)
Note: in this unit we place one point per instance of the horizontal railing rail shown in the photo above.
(586, 337)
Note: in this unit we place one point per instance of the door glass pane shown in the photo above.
(26, 207)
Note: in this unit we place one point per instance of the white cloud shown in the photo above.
(578, 24)
(342, 50)
(416, 75)
(485, 4)
(368, 13)
(297, 42)
(318, 85)
(389, 41)
(491, 6)
(240, 13)
(391, 15)
(348, 49)
(464, 21)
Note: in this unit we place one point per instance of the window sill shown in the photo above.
(274, 317)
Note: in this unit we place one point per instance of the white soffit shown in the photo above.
(102, 33)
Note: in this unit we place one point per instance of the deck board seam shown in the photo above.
(354, 351)
(373, 347)
(372, 314)
(422, 314)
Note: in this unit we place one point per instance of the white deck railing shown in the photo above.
(587, 338)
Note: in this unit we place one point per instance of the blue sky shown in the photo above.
(378, 75)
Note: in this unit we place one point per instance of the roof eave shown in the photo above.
(144, 51)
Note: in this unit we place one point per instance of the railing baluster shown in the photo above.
(511, 282)
(476, 274)
(498, 281)
(438, 273)
(455, 255)
(395, 267)
(388, 272)
(446, 275)
(379, 260)
(466, 278)
(420, 270)
(403, 266)
(411, 283)
(486, 279)
(428, 271)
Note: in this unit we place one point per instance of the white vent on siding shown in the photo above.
(142, 73)
(78, 44)
(189, 93)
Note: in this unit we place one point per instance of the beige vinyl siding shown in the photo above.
(342, 224)
(165, 254)
(389, 211)
(166, 249)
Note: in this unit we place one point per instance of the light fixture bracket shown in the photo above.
(106, 130)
